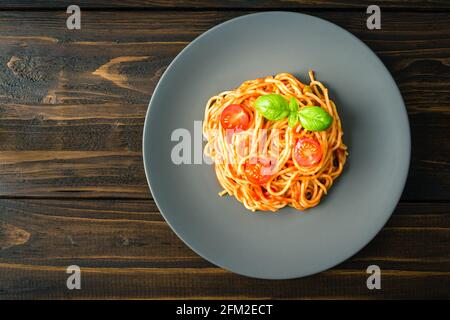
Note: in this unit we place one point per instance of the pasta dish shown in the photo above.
(275, 142)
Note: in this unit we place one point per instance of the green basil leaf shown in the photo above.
(293, 105)
(315, 118)
(272, 106)
(292, 119)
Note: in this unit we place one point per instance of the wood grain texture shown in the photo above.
(81, 96)
(227, 4)
(23, 281)
(72, 185)
(75, 174)
(125, 249)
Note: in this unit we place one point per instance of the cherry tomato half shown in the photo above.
(235, 117)
(307, 152)
(258, 171)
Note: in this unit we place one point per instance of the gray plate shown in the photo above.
(290, 243)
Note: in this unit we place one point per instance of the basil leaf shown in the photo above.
(315, 118)
(272, 106)
(293, 105)
(292, 119)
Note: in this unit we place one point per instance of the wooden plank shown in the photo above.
(135, 228)
(37, 282)
(126, 250)
(229, 4)
(81, 96)
(75, 174)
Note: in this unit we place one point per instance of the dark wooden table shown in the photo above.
(72, 185)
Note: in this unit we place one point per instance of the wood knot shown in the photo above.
(12, 236)
(111, 71)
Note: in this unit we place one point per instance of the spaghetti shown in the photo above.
(269, 164)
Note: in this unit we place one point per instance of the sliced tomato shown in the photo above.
(307, 152)
(235, 117)
(259, 170)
